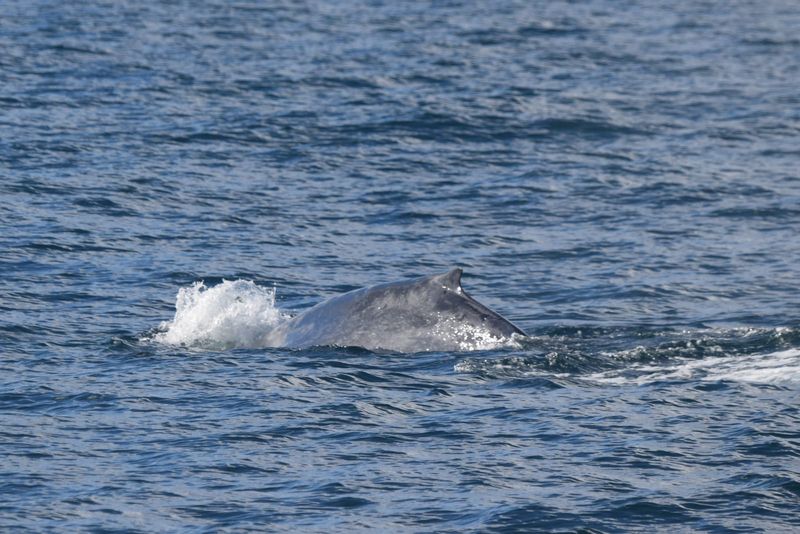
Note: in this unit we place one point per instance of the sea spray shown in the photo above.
(235, 313)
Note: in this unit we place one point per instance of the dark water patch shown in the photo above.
(765, 213)
(527, 516)
(585, 127)
(54, 248)
(771, 42)
(54, 402)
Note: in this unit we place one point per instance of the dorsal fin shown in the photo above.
(450, 280)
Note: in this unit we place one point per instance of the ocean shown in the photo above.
(619, 179)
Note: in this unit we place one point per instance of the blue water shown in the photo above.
(620, 179)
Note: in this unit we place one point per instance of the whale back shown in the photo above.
(431, 313)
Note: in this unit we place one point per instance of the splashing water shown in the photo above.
(233, 314)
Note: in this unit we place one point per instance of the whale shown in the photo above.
(431, 313)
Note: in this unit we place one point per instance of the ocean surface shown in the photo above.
(619, 179)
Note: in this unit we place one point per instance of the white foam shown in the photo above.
(471, 338)
(233, 314)
(773, 368)
(777, 367)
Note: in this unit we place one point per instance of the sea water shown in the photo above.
(619, 179)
